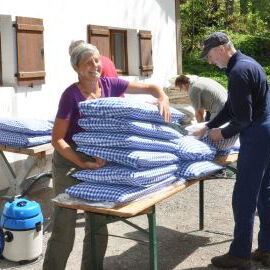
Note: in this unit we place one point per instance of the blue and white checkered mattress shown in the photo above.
(129, 126)
(122, 140)
(196, 169)
(222, 144)
(22, 132)
(115, 193)
(123, 108)
(135, 158)
(117, 174)
(14, 139)
(190, 148)
(26, 125)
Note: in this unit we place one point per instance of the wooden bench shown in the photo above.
(145, 206)
(36, 157)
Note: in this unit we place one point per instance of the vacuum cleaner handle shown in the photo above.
(35, 179)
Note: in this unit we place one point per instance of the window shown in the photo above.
(119, 50)
(130, 51)
(111, 43)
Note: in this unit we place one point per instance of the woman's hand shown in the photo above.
(215, 134)
(162, 99)
(93, 165)
(164, 108)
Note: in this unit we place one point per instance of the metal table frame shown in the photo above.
(36, 156)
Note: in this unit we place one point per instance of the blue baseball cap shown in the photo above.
(214, 40)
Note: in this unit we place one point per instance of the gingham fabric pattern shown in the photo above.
(126, 141)
(130, 126)
(191, 148)
(134, 158)
(26, 126)
(22, 140)
(227, 152)
(193, 170)
(221, 144)
(114, 193)
(232, 150)
(124, 108)
(117, 174)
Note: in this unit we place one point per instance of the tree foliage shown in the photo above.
(246, 21)
(200, 17)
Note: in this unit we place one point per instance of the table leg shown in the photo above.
(16, 180)
(153, 239)
(201, 204)
(23, 173)
(7, 169)
(93, 240)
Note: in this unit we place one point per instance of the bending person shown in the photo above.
(207, 96)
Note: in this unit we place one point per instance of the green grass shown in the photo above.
(193, 65)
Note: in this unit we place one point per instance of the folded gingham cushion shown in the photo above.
(134, 158)
(117, 174)
(130, 126)
(190, 148)
(22, 140)
(193, 170)
(26, 126)
(114, 193)
(222, 144)
(124, 108)
(122, 140)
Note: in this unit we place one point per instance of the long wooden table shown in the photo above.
(145, 206)
(36, 156)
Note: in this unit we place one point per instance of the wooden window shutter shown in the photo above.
(145, 45)
(30, 51)
(100, 37)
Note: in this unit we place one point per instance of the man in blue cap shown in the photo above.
(248, 112)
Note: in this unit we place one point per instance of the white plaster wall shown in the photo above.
(67, 20)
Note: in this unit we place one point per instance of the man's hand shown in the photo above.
(215, 134)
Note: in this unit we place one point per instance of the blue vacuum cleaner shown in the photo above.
(21, 232)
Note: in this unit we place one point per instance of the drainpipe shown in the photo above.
(178, 37)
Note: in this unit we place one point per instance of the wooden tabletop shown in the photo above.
(143, 205)
(31, 151)
(135, 207)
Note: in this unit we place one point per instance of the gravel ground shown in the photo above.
(180, 244)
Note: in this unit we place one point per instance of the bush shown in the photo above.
(254, 46)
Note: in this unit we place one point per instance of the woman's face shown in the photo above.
(89, 67)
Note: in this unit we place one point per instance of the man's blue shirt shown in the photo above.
(248, 95)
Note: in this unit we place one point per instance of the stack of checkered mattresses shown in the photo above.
(143, 153)
(24, 132)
